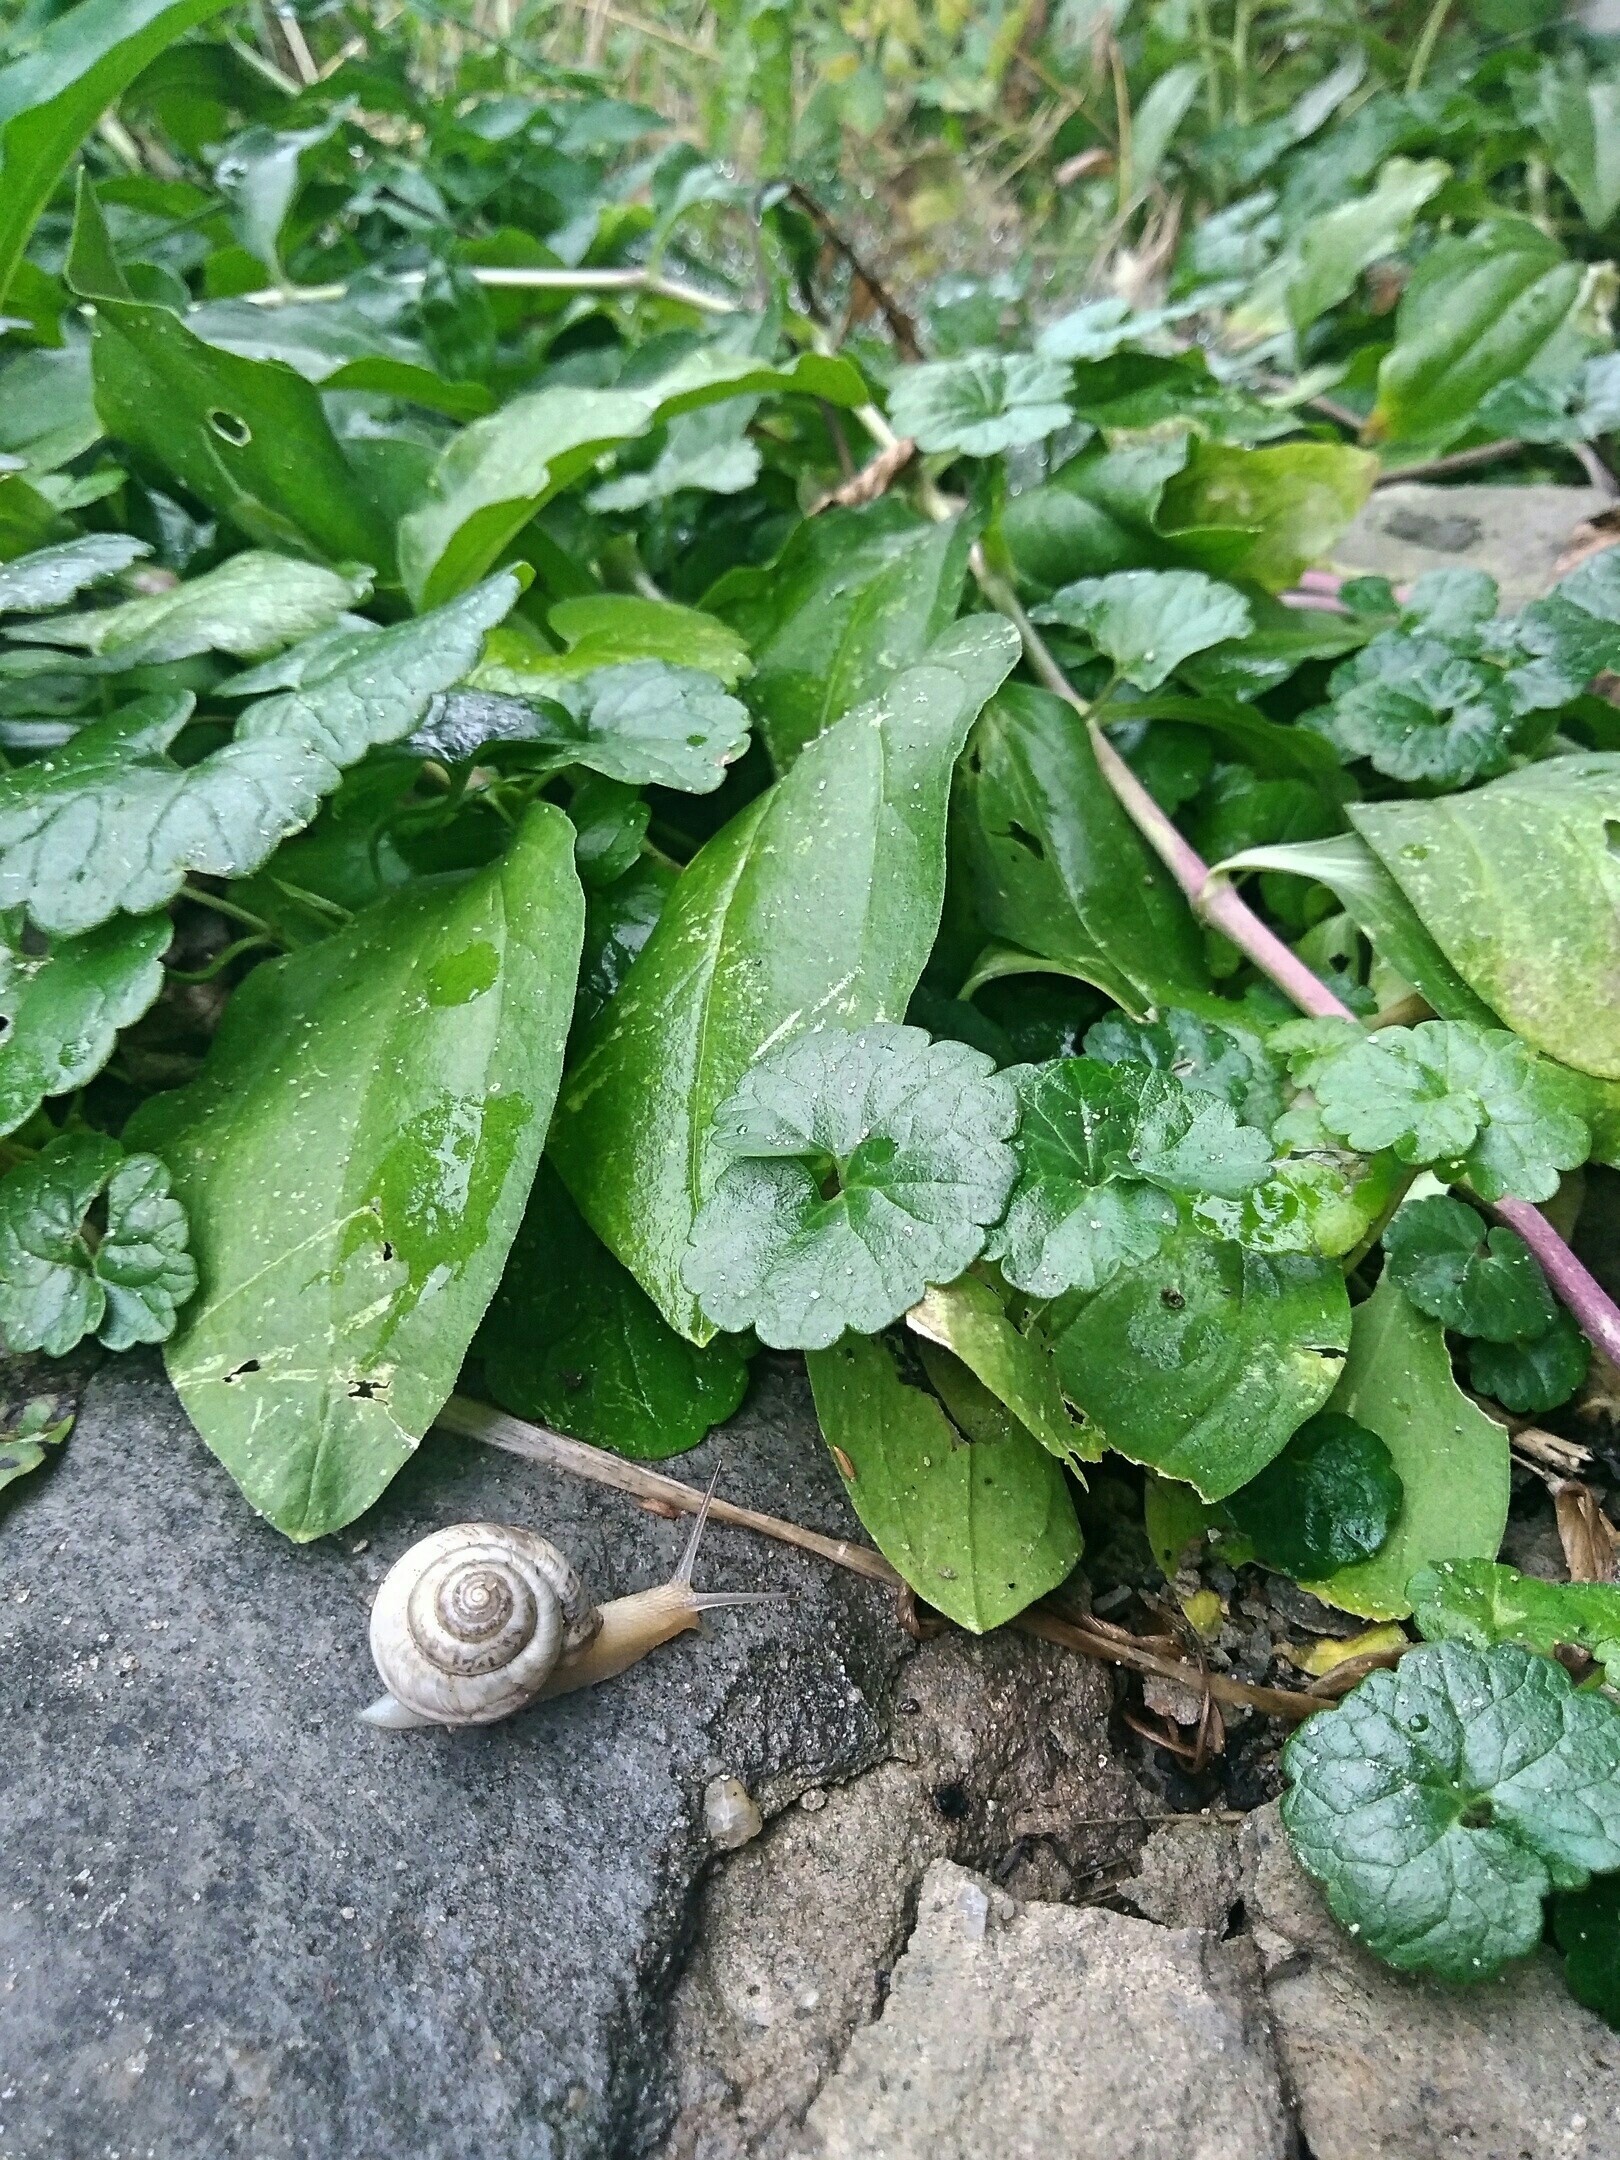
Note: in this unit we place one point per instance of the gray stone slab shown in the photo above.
(234, 1925)
(1384, 2067)
(1029, 2032)
(1515, 533)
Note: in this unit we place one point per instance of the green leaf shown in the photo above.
(1440, 1802)
(818, 904)
(1473, 1100)
(644, 723)
(110, 822)
(980, 404)
(1586, 1927)
(854, 596)
(1380, 910)
(1324, 262)
(605, 629)
(250, 606)
(355, 1160)
(1475, 311)
(981, 1527)
(62, 1005)
(1329, 1500)
(968, 1318)
(23, 1448)
(49, 577)
(1451, 1458)
(573, 1342)
(1534, 1376)
(1577, 117)
(53, 96)
(1419, 713)
(1054, 866)
(1101, 1150)
(1481, 1602)
(59, 1279)
(1204, 1359)
(1149, 621)
(491, 478)
(619, 919)
(349, 344)
(915, 1133)
(1481, 1282)
(1220, 1058)
(1519, 886)
(1292, 501)
(707, 450)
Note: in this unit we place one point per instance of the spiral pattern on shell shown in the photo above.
(470, 1623)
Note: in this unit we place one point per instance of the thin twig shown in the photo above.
(873, 479)
(516, 1436)
(900, 325)
(1491, 453)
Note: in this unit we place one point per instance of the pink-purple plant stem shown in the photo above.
(1216, 902)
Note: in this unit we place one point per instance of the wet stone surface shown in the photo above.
(235, 1923)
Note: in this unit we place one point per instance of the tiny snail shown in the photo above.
(480, 1620)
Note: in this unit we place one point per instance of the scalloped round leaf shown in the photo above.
(916, 1135)
(63, 1003)
(1440, 1802)
(57, 1284)
(1421, 714)
(982, 403)
(1149, 621)
(1471, 1099)
(1482, 1282)
(1531, 1378)
(1231, 1062)
(1328, 1500)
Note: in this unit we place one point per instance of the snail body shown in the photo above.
(478, 1621)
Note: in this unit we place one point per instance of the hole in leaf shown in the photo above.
(366, 1390)
(247, 1365)
(1021, 837)
(230, 427)
(388, 1249)
(1172, 1298)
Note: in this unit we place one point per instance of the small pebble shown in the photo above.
(730, 1815)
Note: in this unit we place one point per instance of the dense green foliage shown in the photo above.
(583, 785)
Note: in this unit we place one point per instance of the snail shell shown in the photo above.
(470, 1624)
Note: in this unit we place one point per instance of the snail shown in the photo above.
(478, 1621)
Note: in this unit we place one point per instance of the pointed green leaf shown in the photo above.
(817, 904)
(355, 1160)
(915, 1133)
(250, 606)
(1451, 1458)
(492, 477)
(49, 577)
(64, 1003)
(1577, 117)
(970, 1319)
(979, 1527)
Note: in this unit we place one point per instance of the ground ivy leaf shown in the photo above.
(1327, 1501)
(645, 723)
(1230, 1061)
(915, 1132)
(982, 403)
(1478, 1281)
(709, 450)
(1203, 1360)
(1471, 1099)
(250, 606)
(1586, 1927)
(1516, 883)
(607, 630)
(1534, 1376)
(63, 1004)
(980, 1528)
(573, 1341)
(111, 822)
(970, 1319)
(1441, 1801)
(355, 1158)
(1101, 1151)
(819, 902)
(50, 576)
(57, 1282)
(1420, 713)
(1451, 1458)
(22, 1449)
(1149, 621)
(1482, 1602)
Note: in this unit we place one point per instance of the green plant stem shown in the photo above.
(1428, 39)
(1210, 58)
(516, 280)
(217, 966)
(230, 909)
(1242, 21)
